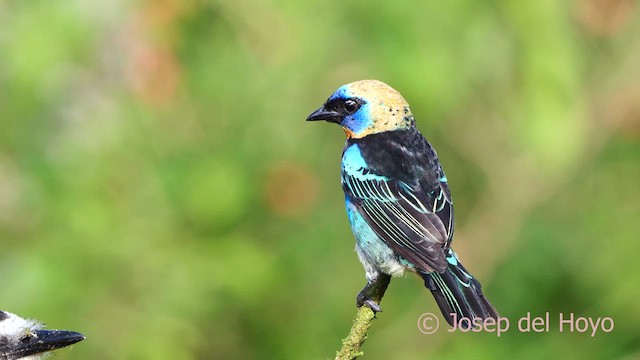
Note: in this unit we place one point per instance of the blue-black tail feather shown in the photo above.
(456, 291)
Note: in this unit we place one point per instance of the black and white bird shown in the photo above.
(26, 339)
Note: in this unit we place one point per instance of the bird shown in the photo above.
(26, 339)
(398, 200)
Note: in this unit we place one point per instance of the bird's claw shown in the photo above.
(363, 300)
(372, 305)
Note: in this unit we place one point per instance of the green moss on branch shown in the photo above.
(361, 323)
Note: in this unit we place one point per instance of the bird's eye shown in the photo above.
(351, 106)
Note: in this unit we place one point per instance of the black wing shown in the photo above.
(415, 223)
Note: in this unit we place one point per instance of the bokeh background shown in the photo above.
(161, 193)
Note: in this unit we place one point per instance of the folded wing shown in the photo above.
(416, 223)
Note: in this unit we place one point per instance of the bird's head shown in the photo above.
(26, 339)
(365, 107)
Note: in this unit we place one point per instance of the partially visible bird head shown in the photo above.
(365, 107)
(26, 339)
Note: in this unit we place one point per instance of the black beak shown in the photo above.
(326, 115)
(45, 340)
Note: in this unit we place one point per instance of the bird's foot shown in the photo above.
(364, 300)
(373, 291)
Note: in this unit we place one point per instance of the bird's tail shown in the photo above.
(457, 292)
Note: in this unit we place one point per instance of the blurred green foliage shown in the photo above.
(161, 193)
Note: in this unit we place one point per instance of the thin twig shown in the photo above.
(361, 323)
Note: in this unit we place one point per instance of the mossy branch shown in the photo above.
(361, 323)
